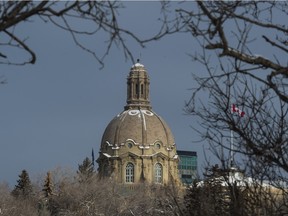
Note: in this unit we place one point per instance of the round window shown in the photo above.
(157, 145)
(130, 145)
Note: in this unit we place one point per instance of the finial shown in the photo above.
(138, 64)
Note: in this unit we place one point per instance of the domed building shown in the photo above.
(137, 145)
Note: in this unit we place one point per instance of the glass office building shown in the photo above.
(187, 166)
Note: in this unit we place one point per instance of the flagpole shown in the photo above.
(231, 148)
(234, 109)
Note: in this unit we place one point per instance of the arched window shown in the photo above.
(142, 89)
(158, 173)
(137, 90)
(129, 173)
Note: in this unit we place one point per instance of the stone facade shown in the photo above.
(137, 145)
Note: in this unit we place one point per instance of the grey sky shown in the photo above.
(54, 112)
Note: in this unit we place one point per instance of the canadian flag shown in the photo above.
(237, 110)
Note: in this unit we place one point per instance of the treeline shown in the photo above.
(84, 194)
(221, 193)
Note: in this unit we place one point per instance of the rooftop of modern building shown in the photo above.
(186, 153)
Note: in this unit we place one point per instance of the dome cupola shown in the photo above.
(138, 88)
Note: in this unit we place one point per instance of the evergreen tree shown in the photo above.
(24, 187)
(46, 206)
(85, 170)
(48, 185)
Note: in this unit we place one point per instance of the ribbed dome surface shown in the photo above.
(141, 126)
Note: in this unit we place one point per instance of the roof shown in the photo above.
(137, 65)
(140, 126)
(186, 153)
(238, 180)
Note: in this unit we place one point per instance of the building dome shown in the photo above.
(141, 127)
(138, 138)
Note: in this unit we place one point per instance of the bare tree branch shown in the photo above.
(101, 16)
(231, 35)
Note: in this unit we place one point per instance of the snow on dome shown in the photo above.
(140, 125)
(137, 65)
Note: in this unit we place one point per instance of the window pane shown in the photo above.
(129, 173)
(158, 173)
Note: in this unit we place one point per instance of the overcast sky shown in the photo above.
(54, 112)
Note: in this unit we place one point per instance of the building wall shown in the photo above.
(187, 166)
(144, 169)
